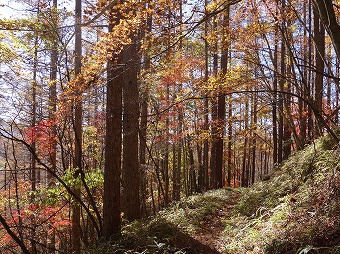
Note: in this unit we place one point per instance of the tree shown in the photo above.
(113, 141)
(131, 173)
(327, 14)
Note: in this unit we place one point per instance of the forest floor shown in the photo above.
(296, 211)
(211, 229)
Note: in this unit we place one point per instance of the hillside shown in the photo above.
(296, 211)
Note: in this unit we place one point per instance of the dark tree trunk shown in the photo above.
(214, 125)
(78, 128)
(319, 39)
(326, 12)
(281, 87)
(253, 163)
(245, 175)
(113, 146)
(274, 104)
(33, 145)
(230, 136)
(131, 173)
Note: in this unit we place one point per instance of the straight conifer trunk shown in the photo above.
(319, 39)
(78, 129)
(113, 145)
(131, 173)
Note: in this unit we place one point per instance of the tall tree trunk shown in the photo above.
(222, 105)
(166, 157)
(245, 175)
(178, 169)
(131, 174)
(214, 123)
(33, 145)
(230, 136)
(113, 144)
(309, 86)
(319, 39)
(143, 126)
(304, 93)
(281, 87)
(52, 110)
(254, 127)
(205, 159)
(78, 129)
(275, 101)
(326, 12)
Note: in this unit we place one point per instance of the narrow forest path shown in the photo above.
(208, 238)
(212, 228)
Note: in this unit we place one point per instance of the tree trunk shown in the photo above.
(131, 174)
(214, 124)
(326, 12)
(205, 159)
(143, 127)
(245, 176)
(33, 145)
(281, 87)
(52, 110)
(254, 127)
(319, 39)
(275, 101)
(230, 136)
(78, 129)
(113, 145)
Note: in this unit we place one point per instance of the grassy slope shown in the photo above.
(296, 211)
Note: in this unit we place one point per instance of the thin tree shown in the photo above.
(78, 129)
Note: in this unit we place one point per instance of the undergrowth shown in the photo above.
(170, 227)
(296, 211)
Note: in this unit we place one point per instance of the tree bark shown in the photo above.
(319, 40)
(113, 145)
(78, 129)
(328, 17)
(131, 173)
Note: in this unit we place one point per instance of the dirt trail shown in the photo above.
(212, 229)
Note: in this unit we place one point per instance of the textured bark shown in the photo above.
(113, 147)
(131, 173)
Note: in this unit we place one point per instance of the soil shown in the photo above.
(209, 238)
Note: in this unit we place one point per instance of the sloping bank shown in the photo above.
(296, 211)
